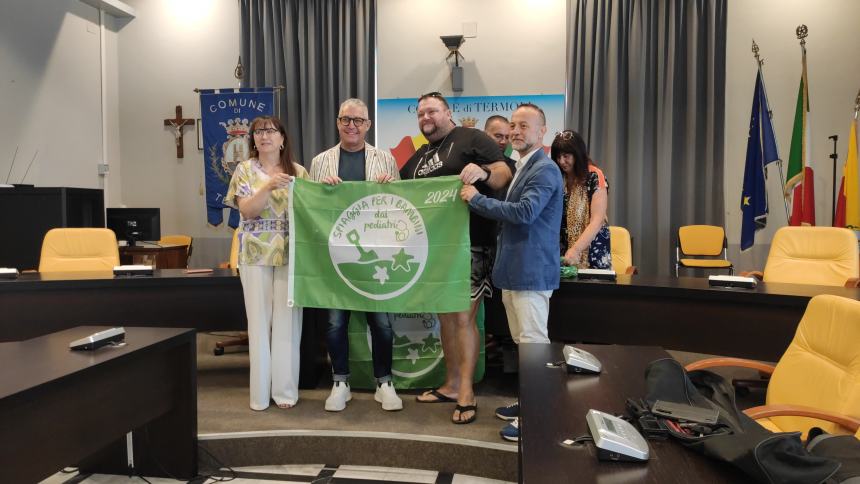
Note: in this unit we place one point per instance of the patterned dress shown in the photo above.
(262, 240)
(577, 214)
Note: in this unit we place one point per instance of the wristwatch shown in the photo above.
(487, 171)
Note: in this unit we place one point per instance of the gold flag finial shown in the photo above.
(755, 50)
(857, 103)
(239, 71)
(802, 32)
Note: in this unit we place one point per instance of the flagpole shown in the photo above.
(835, 157)
(802, 32)
(857, 105)
(760, 62)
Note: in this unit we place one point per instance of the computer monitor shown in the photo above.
(133, 224)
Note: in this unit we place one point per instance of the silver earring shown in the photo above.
(282, 148)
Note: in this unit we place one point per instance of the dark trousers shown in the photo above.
(337, 339)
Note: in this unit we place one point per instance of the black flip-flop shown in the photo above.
(440, 397)
(466, 408)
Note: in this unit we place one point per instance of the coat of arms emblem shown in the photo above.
(234, 150)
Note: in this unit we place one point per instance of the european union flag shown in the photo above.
(761, 150)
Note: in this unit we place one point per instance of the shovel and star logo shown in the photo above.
(378, 246)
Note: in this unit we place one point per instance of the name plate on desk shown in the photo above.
(132, 270)
(597, 274)
(8, 273)
(732, 281)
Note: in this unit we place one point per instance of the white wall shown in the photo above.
(170, 48)
(51, 102)
(834, 77)
(519, 48)
(50, 99)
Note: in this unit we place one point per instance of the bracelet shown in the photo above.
(487, 171)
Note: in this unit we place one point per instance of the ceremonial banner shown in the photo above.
(226, 117)
(394, 247)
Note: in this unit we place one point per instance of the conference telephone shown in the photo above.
(580, 361)
(616, 439)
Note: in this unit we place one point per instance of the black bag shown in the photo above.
(736, 439)
(843, 448)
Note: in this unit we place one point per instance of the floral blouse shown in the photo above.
(262, 240)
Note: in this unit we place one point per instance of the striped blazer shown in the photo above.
(376, 162)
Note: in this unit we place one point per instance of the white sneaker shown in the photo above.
(386, 395)
(340, 394)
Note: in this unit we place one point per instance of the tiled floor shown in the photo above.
(317, 474)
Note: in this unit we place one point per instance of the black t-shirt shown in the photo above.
(449, 156)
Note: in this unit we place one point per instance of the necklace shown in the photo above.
(423, 161)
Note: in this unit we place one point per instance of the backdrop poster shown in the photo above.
(397, 122)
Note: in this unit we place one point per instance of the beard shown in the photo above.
(522, 145)
(428, 129)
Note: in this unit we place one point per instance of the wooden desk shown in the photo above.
(63, 408)
(553, 405)
(37, 304)
(159, 256)
(684, 314)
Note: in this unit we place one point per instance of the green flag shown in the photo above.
(393, 247)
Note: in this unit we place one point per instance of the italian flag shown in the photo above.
(799, 178)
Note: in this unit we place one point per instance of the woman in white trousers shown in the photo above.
(259, 189)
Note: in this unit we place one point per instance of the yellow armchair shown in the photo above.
(78, 249)
(825, 256)
(816, 383)
(233, 261)
(622, 250)
(185, 240)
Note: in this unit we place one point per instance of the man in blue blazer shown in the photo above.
(527, 263)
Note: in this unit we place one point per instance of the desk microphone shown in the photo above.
(8, 273)
(132, 270)
(97, 340)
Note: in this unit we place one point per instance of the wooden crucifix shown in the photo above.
(177, 124)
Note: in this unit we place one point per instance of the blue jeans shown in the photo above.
(381, 336)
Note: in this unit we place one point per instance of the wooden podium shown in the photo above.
(160, 257)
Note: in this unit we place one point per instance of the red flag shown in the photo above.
(839, 220)
(403, 151)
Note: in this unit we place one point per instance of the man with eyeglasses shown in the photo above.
(476, 159)
(353, 159)
(527, 266)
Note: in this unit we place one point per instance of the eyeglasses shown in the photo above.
(565, 135)
(265, 131)
(357, 122)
